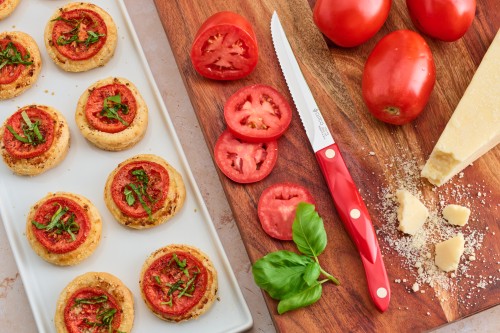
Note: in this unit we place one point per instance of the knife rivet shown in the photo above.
(355, 213)
(330, 153)
(382, 292)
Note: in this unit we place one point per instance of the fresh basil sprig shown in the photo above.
(11, 56)
(57, 225)
(133, 190)
(72, 35)
(292, 278)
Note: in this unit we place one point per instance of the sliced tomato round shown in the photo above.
(21, 149)
(79, 34)
(92, 310)
(257, 113)
(276, 208)
(75, 221)
(124, 110)
(244, 162)
(10, 73)
(225, 47)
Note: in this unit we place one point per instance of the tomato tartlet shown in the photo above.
(64, 228)
(34, 139)
(112, 114)
(178, 282)
(20, 63)
(144, 191)
(95, 302)
(80, 36)
(7, 7)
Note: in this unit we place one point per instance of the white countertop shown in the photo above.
(15, 312)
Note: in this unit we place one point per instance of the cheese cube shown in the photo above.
(474, 127)
(448, 253)
(456, 214)
(412, 214)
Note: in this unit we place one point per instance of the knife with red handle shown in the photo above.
(348, 202)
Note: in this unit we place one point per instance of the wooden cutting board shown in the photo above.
(373, 152)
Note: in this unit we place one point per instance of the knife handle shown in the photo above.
(354, 214)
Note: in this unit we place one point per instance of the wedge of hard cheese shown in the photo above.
(474, 127)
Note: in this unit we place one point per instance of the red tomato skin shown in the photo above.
(398, 77)
(350, 23)
(446, 20)
(239, 123)
(220, 22)
(277, 206)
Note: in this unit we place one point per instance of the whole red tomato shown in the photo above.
(350, 23)
(447, 20)
(398, 77)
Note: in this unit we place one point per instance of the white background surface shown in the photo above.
(15, 313)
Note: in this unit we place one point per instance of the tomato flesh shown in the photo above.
(87, 316)
(244, 162)
(225, 47)
(257, 113)
(84, 22)
(164, 273)
(10, 73)
(349, 23)
(95, 105)
(447, 20)
(19, 149)
(156, 189)
(276, 208)
(398, 77)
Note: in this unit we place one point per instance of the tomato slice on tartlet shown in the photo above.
(63, 228)
(11, 71)
(178, 282)
(96, 302)
(144, 191)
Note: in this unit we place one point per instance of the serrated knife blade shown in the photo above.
(347, 200)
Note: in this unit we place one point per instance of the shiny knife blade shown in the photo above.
(348, 202)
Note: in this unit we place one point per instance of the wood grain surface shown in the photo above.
(334, 75)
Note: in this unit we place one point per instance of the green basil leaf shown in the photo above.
(311, 273)
(308, 230)
(281, 273)
(301, 299)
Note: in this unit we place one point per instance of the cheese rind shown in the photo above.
(412, 214)
(474, 127)
(456, 214)
(448, 253)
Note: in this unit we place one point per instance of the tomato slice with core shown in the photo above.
(276, 208)
(173, 288)
(45, 127)
(11, 72)
(111, 108)
(139, 187)
(60, 225)
(244, 162)
(257, 113)
(225, 47)
(93, 310)
(79, 34)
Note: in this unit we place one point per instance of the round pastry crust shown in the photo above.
(81, 252)
(100, 58)
(174, 198)
(30, 73)
(49, 159)
(100, 280)
(127, 138)
(210, 294)
(7, 7)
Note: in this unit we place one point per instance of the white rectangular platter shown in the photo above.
(122, 251)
